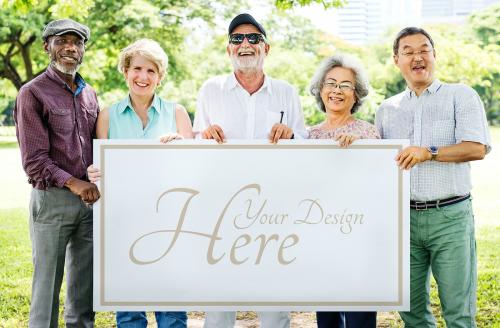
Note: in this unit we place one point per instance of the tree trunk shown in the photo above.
(9, 70)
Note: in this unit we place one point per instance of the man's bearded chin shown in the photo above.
(247, 64)
(64, 69)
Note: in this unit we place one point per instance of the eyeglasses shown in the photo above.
(253, 38)
(413, 53)
(343, 86)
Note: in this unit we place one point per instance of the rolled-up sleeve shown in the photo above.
(33, 137)
(470, 117)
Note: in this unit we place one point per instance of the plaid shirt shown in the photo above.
(55, 128)
(444, 114)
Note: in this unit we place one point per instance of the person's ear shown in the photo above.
(266, 49)
(395, 58)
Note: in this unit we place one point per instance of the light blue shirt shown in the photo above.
(124, 123)
(443, 115)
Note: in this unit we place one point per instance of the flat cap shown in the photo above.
(63, 26)
(245, 19)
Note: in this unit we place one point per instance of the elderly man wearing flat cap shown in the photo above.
(55, 117)
(248, 104)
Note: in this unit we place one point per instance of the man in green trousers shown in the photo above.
(447, 128)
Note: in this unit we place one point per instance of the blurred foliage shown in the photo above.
(485, 26)
(193, 33)
(287, 4)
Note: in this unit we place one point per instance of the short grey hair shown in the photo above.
(340, 60)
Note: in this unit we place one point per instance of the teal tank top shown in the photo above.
(124, 123)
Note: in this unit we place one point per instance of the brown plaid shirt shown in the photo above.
(55, 128)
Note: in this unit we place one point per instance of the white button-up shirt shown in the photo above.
(223, 101)
(443, 115)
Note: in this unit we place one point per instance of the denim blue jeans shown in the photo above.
(346, 319)
(163, 319)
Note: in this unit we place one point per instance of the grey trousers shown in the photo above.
(61, 233)
(228, 319)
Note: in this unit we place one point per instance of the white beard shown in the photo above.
(247, 63)
(64, 69)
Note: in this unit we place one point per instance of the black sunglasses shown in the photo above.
(253, 38)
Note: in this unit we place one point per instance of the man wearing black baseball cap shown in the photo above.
(248, 104)
(55, 117)
(245, 19)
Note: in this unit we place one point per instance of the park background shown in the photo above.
(193, 33)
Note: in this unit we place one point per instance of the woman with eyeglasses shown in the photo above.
(340, 86)
(143, 115)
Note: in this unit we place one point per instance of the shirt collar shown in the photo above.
(232, 82)
(127, 104)
(80, 84)
(79, 81)
(432, 88)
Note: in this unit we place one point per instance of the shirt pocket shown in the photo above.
(90, 116)
(60, 119)
(443, 133)
(273, 118)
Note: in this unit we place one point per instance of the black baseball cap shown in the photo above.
(245, 19)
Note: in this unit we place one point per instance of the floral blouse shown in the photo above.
(357, 127)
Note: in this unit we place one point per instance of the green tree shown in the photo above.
(190, 32)
(287, 4)
(484, 29)
(485, 25)
(113, 24)
(462, 57)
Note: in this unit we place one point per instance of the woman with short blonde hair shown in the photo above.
(148, 49)
(144, 115)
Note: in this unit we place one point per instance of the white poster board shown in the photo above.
(301, 225)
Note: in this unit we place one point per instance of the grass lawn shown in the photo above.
(8, 137)
(7, 131)
(8, 143)
(16, 270)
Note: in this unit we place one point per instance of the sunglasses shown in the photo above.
(253, 38)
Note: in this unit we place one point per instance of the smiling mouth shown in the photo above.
(246, 53)
(418, 68)
(142, 85)
(335, 99)
(69, 58)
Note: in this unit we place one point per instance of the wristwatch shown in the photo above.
(434, 152)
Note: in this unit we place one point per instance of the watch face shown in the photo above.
(433, 150)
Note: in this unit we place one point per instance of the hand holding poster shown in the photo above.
(298, 225)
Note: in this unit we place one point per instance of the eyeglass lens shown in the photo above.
(253, 38)
(342, 86)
